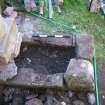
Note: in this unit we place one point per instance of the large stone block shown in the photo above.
(8, 41)
(28, 78)
(85, 46)
(79, 75)
(3, 27)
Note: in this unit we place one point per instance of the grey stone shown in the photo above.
(70, 94)
(8, 71)
(91, 98)
(28, 78)
(79, 75)
(78, 102)
(34, 101)
(85, 46)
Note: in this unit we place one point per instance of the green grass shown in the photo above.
(76, 12)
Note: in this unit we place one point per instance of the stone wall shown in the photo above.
(79, 75)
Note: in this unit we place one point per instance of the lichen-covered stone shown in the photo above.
(79, 75)
(85, 46)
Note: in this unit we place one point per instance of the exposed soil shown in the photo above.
(45, 59)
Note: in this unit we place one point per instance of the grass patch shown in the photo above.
(76, 12)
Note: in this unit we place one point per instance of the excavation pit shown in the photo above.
(45, 59)
(42, 62)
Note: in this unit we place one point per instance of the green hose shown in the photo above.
(96, 80)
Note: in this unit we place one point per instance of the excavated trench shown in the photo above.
(45, 59)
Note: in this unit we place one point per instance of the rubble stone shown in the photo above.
(78, 102)
(51, 101)
(34, 101)
(85, 46)
(79, 75)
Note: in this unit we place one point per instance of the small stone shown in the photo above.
(51, 101)
(14, 14)
(70, 94)
(74, 26)
(27, 5)
(8, 11)
(91, 98)
(28, 60)
(34, 101)
(25, 49)
(32, 96)
(82, 96)
(78, 102)
(103, 97)
(63, 103)
(33, 5)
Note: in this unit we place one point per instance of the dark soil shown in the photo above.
(45, 59)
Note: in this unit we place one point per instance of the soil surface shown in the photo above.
(45, 59)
